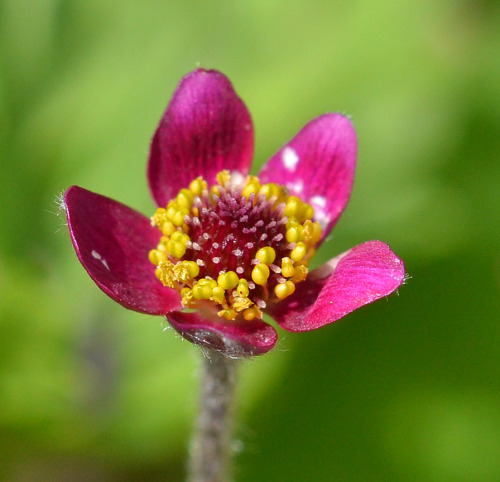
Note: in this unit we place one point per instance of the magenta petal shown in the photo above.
(318, 166)
(112, 242)
(236, 339)
(360, 276)
(206, 128)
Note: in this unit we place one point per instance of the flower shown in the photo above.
(224, 247)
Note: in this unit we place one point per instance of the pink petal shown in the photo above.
(112, 242)
(235, 339)
(206, 128)
(318, 166)
(360, 276)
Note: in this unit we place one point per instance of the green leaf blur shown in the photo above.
(403, 390)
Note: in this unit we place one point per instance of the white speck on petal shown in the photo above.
(96, 255)
(319, 201)
(297, 186)
(289, 158)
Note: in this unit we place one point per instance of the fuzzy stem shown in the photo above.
(210, 449)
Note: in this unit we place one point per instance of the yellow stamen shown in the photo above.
(228, 314)
(293, 206)
(223, 177)
(198, 186)
(298, 252)
(185, 198)
(294, 233)
(155, 256)
(251, 313)
(228, 281)
(260, 274)
(242, 288)
(165, 273)
(266, 255)
(241, 303)
(253, 186)
(185, 271)
(287, 268)
(176, 248)
(300, 273)
(202, 290)
(311, 232)
(282, 290)
(218, 295)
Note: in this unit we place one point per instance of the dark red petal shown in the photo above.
(235, 339)
(360, 276)
(112, 242)
(206, 128)
(318, 166)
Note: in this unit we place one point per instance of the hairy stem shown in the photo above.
(210, 449)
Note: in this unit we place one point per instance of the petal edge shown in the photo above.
(358, 277)
(206, 128)
(112, 242)
(234, 339)
(318, 166)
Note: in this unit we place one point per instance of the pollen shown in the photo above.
(234, 247)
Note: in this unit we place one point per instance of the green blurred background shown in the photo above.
(406, 389)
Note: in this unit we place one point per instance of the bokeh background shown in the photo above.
(406, 389)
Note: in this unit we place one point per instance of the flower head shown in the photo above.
(224, 247)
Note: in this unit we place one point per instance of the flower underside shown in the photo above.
(236, 247)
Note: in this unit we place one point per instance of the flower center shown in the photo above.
(234, 247)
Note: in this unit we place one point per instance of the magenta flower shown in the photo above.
(224, 247)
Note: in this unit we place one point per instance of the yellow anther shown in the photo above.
(167, 228)
(223, 177)
(155, 256)
(251, 313)
(185, 198)
(218, 295)
(294, 233)
(298, 252)
(266, 255)
(260, 273)
(228, 314)
(176, 214)
(198, 186)
(228, 280)
(307, 211)
(287, 269)
(293, 206)
(176, 248)
(215, 190)
(165, 273)
(252, 186)
(242, 288)
(185, 271)
(159, 217)
(300, 273)
(172, 209)
(283, 290)
(311, 232)
(241, 303)
(202, 290)
(187, 297)
(180, 236)
(271, 190)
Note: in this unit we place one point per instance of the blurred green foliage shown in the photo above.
(403, 390)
